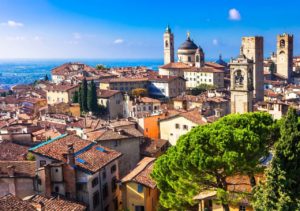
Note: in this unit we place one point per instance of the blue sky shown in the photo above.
(133, 29)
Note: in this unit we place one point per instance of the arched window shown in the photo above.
(282, 43)
(281, 52)
(238, 78)
(197, 58)
(167, 44)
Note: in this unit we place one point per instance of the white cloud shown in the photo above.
(215, 42)
(77, 36)
(118, 41)
(16, 38)
(37, 38)
(12, 24)
(234, 15)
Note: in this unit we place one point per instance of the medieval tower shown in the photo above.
(253, 48)
(285, 44)
(241, 87)
(168, 46)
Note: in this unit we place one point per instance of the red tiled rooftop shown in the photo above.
(94, 159)
(141, 173)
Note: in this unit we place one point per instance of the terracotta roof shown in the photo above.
(61, 87)
(175, 65)
(67, 68)
(102, 93)
(22, 168)
(141, 173)
(148, 100)
(13, 203)
(12, 152)
(151, 147)
(163, 78)
(86, 151)
(204, 70)
(114, 80)
(119, 134)
(213, 64)
(57, 203)
(192, 115)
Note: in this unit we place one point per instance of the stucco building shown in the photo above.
(61, 93)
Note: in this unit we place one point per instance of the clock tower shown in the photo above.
(241, 87)
(168, 46)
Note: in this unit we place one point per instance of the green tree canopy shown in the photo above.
(202, 88)
(203, 158)
(75, 97)
(100, 67)
(92, 98)
(83, 95)
(281, 190)
(139, 92)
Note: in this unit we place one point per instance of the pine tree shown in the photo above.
(281, 190)
(92, 97)
(84, 92)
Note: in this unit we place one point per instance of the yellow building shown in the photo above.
(139, 191)
(61, 93)
(240, 187)
(123, 84)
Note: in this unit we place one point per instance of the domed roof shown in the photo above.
(220, 61)
(188, 44)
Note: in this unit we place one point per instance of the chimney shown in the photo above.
(11, 171)
(39, 206)
(70, 154)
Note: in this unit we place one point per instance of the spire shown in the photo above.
(188, 35)
(241, 50)
(220, 56)
(168, 29)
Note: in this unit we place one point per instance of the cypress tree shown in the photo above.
(92, 97)
(281, 190)
(84, 92)
(79, 98)
(75, 97)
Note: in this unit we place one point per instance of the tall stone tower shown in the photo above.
(253, 48)
(241, 86)
(199, 58)
(285, 46)
(168, 46)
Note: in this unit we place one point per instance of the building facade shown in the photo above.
(253, 48)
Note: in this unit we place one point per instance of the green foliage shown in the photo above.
(100, 67)
(202, 88)
(75, 97)
(139, 92)
(79, 98)
(83, 95)
(203, 158)
(92, 98)
(281, 189)
(46, 78)
(30, 157)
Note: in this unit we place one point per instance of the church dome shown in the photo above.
(220, 61)
(188, 45)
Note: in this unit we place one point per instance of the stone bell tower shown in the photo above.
(285, 47)
(253, 48)
(168, 46)
(241, 84)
